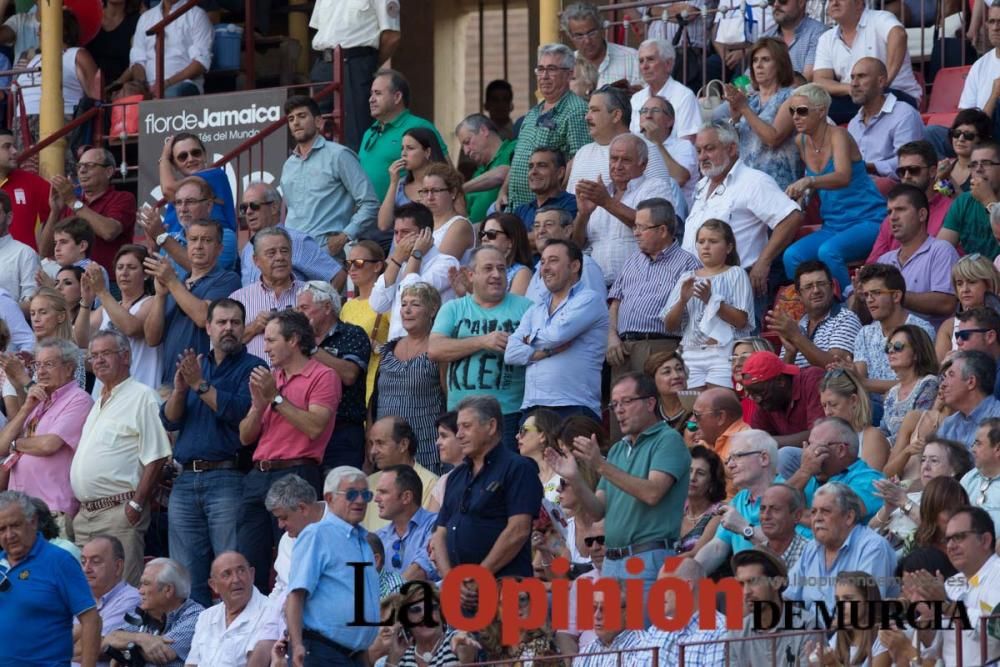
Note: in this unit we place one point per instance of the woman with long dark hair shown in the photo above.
(420, 149)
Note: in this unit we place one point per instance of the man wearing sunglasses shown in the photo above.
(979, 329)
(967, 388)
(261, 208)
(967, 224)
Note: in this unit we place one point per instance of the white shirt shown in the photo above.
(31, 84)
(620, 62)
(870, 41)
(433, 270)
(119, 438)
(749, 200)
(18, 266)
(684, 154)
(25, 26)
(981, 594)
(593, 159)
(351, 23)
(611, 241)
(187, 39)
(215, 645)
(21, 335)
(147, 361)
(979, 82)
(687, 115)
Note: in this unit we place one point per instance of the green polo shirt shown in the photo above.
(479, 202)
(382, 145)
(630, 521)
(969, 219)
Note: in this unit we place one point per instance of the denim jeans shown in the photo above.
(652, 562)
(204, 510)
(321, 654)
(258, 531)
(835, 249)
(182, 89)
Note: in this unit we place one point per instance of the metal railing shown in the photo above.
(773, 638)
(567, 658)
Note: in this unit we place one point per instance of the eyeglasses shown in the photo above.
(975, 165)
(551, 70)
(528, 429)
(87, 166)
(589, 541)
(106, 354)
(959, 536)
(360, 263)
(580, 36)
(818, 285)
(913, 169)
(875, 294)
(423, 192)
(739, 455)
(253, 205)
(799, 111)
(898, 346)
(983, 488)
(965, 334)
(963, 134)
(492, 234)
(651, 110)
(352, 495)
(397, 562)
(48, 365)
(418, 609)
(625, 402)
(645, 228)
(183, 155)
(183, 203)
(696, 416)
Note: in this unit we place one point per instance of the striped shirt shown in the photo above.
(837, 330)
(791, 554)
(258, 298)
(802, 50)
(620, 62)
(643, 286)
(711, 653)
(731, 287)
(624, 640)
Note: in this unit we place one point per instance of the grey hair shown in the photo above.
(20, 499)
(323, 292)
(486, 408)
(815, 94)
(847, 499)
(761, 441)
(798, 500)
(339, 475)
(668, 108)
(615, 99)
(288, 493)
(561, 50)
(728, 135)
(638, 143)
(67, 351)
(427, 294)
(565, 217)
(172, 574)
(270, 192)
(845, 432)
(978, 365)
(107, 157)
(120, 340)
(662, 212)
(270, 231)
(580, 11)
(475, 122)
(663, 47)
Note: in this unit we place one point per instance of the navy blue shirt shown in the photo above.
(215, 435)
(350, 342)
(563, 200)
(476, 508)
(46, 590)
(179, 331)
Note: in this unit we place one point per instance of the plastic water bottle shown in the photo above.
(742, 82)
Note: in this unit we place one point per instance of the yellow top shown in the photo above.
(357, 311)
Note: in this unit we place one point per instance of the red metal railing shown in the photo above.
(567, 658)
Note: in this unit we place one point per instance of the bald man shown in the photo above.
(719, 416)
(883, 123)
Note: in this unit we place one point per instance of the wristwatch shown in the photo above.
(202, 388)
(162, 238)
(416, 254)
(908, 507)
(77, 205)
(136, 506)
(278, 400)
(748, 532)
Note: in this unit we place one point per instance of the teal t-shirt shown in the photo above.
(382, 145)
(969, 219)
(483, 372)
(479, 202)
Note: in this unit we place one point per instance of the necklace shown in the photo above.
(428, 655)
(818, 149)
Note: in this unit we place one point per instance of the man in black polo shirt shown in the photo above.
(490, 500)
(345, 348)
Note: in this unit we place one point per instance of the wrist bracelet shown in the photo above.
(394, 261)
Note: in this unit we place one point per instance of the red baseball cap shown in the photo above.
(762, 366)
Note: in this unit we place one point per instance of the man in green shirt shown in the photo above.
(481, 143)
(967, 224)
(470, 334)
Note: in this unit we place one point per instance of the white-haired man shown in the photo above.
(656, 62)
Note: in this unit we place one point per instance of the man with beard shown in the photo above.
(799, 32)
(210, 396)
(328, 194)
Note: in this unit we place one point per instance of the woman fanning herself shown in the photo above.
(420, 149)
(851, 207)
(712, 306)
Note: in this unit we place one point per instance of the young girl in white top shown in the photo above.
(712, 306)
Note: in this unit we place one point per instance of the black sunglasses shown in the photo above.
(589, 541)
(909, 169)
(183, 155)
(491, 234)
(799, 111)
(898, 346)
(962, 134)
(965, 334)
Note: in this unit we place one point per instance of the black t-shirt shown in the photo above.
(110, 48)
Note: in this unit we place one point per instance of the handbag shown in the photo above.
(710, 98)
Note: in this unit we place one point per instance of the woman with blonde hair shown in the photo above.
(453, 233)
(977, 283)
(365, 263)
(842, 394)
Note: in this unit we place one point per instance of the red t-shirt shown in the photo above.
(803, 409)
(316, 384)
(117, 205)
(29, 198)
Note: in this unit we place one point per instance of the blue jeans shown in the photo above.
(511, 423)
(321, 654)
(258, 531)
(835, 249)
(204, 509)
(182, 89)
(652, 562)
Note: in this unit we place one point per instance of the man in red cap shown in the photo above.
(787, 397)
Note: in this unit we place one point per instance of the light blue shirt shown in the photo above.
(960, 428)
(749, 509)
(895, 124)
(864, 550)
(411, 547)
(309, 261)
(983, 492)
(570, 377)
(861, 478)
(592, 278)
(319, 567)
(327, 192)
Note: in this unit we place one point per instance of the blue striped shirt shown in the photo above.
(643, 287)
(309, 260)
(713, 652)
(624, 640)
(802, 50)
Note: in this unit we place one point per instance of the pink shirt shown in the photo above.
(47, 477)
(315, 384)
(884, 241)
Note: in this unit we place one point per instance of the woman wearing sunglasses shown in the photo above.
(185, 155)
(970, 128)
(539, 432)
(441, 192)
(506, 232)
(420, 149)
(976, 283)
(420, 644)
(842, 395)
(911, 357)
(851, 207)
(365, 264)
